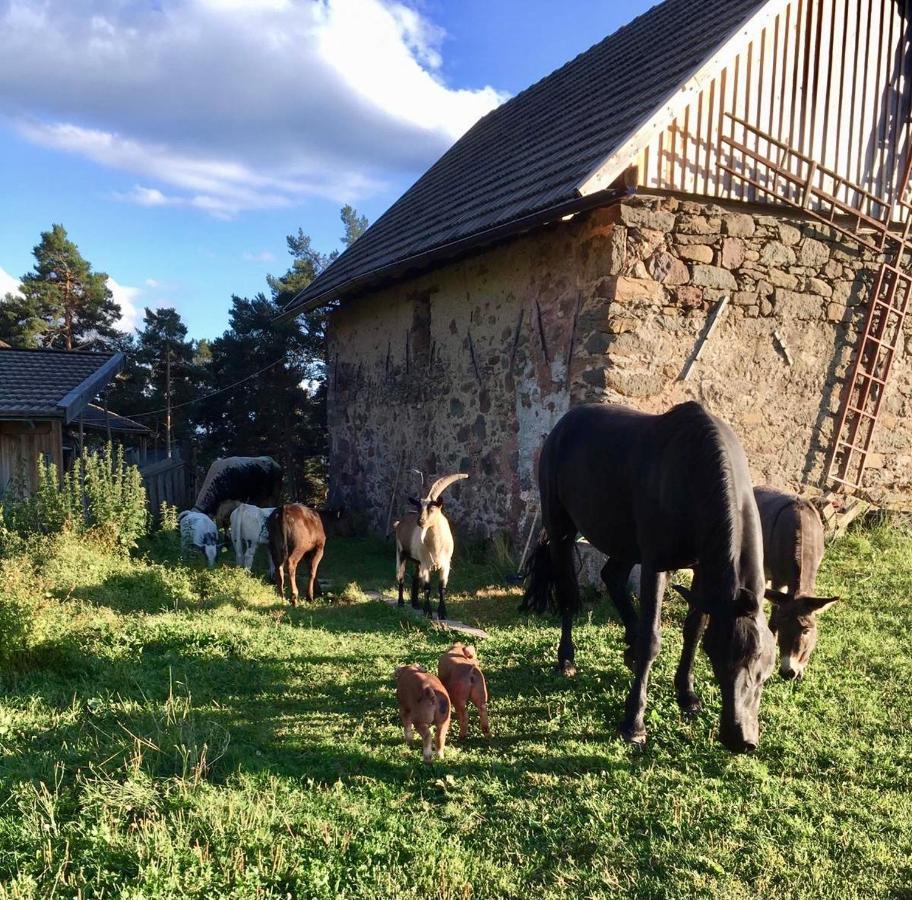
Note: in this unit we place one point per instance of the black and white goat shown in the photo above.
(424, 538)
(198, 532)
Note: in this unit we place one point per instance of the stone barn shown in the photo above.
(709, 204)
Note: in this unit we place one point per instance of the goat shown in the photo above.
(295, 531)
(248, 531)
(197, 530)
(424, 538)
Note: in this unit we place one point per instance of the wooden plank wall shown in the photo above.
(831, 78)
(21, 444)
(166, 480)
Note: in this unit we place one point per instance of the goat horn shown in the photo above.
(420, 474)
(441, 484)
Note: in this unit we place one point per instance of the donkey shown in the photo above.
(792, 550)
(668, 491)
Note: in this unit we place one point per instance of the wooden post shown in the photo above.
(389, 512)
(167, 403)
(714, 317)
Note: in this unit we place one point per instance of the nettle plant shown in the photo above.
(100, 493)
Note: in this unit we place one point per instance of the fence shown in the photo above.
(166, 480)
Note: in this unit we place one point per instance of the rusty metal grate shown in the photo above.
(799, 181)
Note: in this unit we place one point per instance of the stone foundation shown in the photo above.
(469, 366)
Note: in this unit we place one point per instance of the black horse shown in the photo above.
(668, 491)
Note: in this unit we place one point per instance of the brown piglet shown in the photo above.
(423, 702)
(461, 674)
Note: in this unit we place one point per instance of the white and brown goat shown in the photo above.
(424, 538)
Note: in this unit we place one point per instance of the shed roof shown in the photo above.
(94, 416)
(52, 384)
(529, 158)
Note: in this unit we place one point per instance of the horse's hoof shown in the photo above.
(635, 736)
(691, 706)
(566, 668)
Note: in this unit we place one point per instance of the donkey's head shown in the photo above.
(428, 508)
(794, 622)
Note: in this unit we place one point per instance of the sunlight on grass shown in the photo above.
(171, 730)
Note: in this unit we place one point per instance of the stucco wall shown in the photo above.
(467, 367)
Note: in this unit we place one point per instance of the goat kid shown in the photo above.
(199, 532)
(424, 538)
(248, 531)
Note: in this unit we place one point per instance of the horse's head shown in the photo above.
(742, 651)
(794, 622)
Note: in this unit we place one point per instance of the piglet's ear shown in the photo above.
(817, 604)
(777, 596)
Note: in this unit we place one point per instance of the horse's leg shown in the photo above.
(562, 563)
(649, 635)
(615, 573)
(694, 625)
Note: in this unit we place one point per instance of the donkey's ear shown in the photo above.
(817, 604)
(777, 596)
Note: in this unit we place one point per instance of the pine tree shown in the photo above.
(61, 302)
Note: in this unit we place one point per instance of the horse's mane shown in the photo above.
(705, 458)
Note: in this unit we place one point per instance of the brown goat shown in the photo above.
(295, 531)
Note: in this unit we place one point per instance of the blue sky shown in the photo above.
(179, 141)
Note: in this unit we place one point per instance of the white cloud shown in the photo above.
(263, 256)
(229, 105)
(8, 284)
(127, 298)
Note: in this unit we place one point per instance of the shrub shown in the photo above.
(100, 493)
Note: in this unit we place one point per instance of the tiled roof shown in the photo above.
(52, 383)
(530, 155)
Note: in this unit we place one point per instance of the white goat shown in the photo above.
(199, 532)
(424, 537)
(248, 531)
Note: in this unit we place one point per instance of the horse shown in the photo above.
(669, 491)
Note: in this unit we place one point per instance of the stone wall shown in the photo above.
(467, 367)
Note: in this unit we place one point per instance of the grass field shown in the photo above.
(174, 732)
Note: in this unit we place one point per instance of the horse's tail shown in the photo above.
(550, 586)
(540, 583)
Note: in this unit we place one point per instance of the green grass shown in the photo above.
(175, 732)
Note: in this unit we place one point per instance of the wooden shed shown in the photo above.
(42, 393)
(711, 203)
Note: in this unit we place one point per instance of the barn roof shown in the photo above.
(526, 162)
(52, 384)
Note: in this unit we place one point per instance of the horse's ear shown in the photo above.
(777, 596)
(817, 604)
(747, 603)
